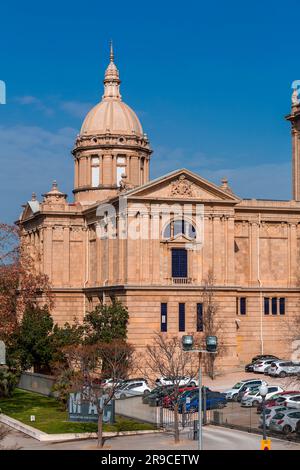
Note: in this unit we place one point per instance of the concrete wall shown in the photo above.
(133, 407)
(38, 383)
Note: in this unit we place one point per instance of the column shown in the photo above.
(144, 232)
(255, 265)
(230, 269)
(114, 170)
(292, 237)
(217, 265)
(66, 255)
(48, 251)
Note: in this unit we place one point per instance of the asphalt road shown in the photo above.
(214, 438)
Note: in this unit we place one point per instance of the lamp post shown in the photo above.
(263, 390)
(211, 348)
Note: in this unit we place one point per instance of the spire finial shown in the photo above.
(111, 78)
(111, 55)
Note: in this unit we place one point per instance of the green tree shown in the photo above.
(67, 335)
(32, 342)
(106, 323)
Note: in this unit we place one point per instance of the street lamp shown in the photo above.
(211, 348)
(263, 390)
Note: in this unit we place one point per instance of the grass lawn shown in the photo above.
(50, 418)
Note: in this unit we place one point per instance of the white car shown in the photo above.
(254, 398)
(132, 389)
(232, 393)
(270, 413)
(293, 401)
(181, 381)
(260, 366)
(285, 421)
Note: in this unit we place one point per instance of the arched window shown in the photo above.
(179, 227)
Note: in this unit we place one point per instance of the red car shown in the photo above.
(168, 399)
(277, 399)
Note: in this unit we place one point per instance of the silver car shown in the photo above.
(280, 368)
(285, 421)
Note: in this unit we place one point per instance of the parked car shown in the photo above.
(293, 401)
(260, 366)
(232, 393)
(263, 357)
(280, 369)
(213, 401)
(121, 382)
(249, 367)
(285, 421)
(111, 382)
(189, 394)
(254, 398)
(245, 390)
(298, 427)
(270, 413)
(181, 381)
(266, 371)
(294, 369)
(132, 389)
(157, 394)
(276, 400)
(168, 400)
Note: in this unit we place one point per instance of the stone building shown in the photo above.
(250, 245)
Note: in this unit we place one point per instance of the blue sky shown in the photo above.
(210, 81)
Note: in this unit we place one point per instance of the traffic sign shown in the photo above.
(265, 444)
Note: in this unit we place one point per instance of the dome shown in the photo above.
(111, 115)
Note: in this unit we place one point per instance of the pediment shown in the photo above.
(182, 184)
(30, 209)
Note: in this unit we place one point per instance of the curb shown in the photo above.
(43, 436)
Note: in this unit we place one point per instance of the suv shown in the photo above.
(280, 369)
(180, 381)
(133, 389)
(232, 393)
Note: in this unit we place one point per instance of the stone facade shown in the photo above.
(250, 246)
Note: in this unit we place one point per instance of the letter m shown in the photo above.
(75, 403)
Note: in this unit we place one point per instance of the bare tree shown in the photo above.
(212, 325)
(166, 358)
(89, 366)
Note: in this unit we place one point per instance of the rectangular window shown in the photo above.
(274, 306)
(199, 317)
(179, 262)
(163, 317)
(120, 171)
(121, 160)
(181, 317)
(282, 306)
(267, 305)
(243, 306)
(95, 176)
